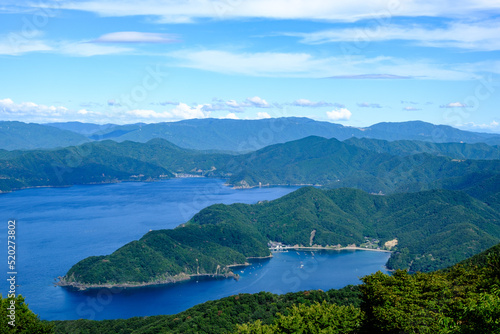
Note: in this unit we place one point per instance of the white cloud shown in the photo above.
(311, 104)
(32, 112)
(237, 107)
(493, 126)
(233, 104)
(257, 102)
(341, 114)
(411, 109)
(252, 64)
(135, 37)
(181, 111)
(303, 65)
(369, 105)
(231, 115)
(39, 113)
(261, 115)
(11, 46)
(148, 114)
(85, 49)
(483, 35)
(454, 105)
(372, 76)
(13, 111)
(88, 112)
(304, 103)
(17, 43)
(188, 10)
(179, 19)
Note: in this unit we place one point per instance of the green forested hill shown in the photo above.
(169, 255)
(214, 317)
(465, 298)
(423, 131)
(312, 160)
(332, 163)
(457, 150)
(19, 135)
(101, 162)
(434, 229)
(85, 164)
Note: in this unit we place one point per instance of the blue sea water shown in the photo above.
(57, 227)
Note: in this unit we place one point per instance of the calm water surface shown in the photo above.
(57, 227)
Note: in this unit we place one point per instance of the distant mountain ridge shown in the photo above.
(454, 150)
(86, 129)
(249, 135)
(331, 163)
(237, 135)
(311, 160)
(28, 136)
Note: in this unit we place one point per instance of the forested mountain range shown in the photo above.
(479, 151)
(27, 136)
(311, 160)
(226, 134)
(441, 201)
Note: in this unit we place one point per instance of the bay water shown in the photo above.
(57, 227)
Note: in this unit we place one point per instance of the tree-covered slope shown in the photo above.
(85, 164)
(311, 160)
(465, 298)
(101, 162)
(478, 151)
(250, 135)
(225, 134)
(332, 163)
(218, 316)
(433, 229)
(423, 131)
(26, 136)
(16, 317)
(222, 239)
(86, 129)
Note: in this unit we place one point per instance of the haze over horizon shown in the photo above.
(355, 64)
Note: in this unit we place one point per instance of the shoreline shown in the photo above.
(106, 183)
(185, 277)
(162, 179)
(85, 184)
(170, 280)
(246, 264)
(335, 248)
(268, 185)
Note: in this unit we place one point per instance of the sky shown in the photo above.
(354, 62)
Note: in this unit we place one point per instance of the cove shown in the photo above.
(57, 227)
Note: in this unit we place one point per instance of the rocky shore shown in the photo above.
(172, 279)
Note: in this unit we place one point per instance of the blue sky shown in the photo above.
(355, 63)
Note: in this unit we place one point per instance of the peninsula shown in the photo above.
(425, 231)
